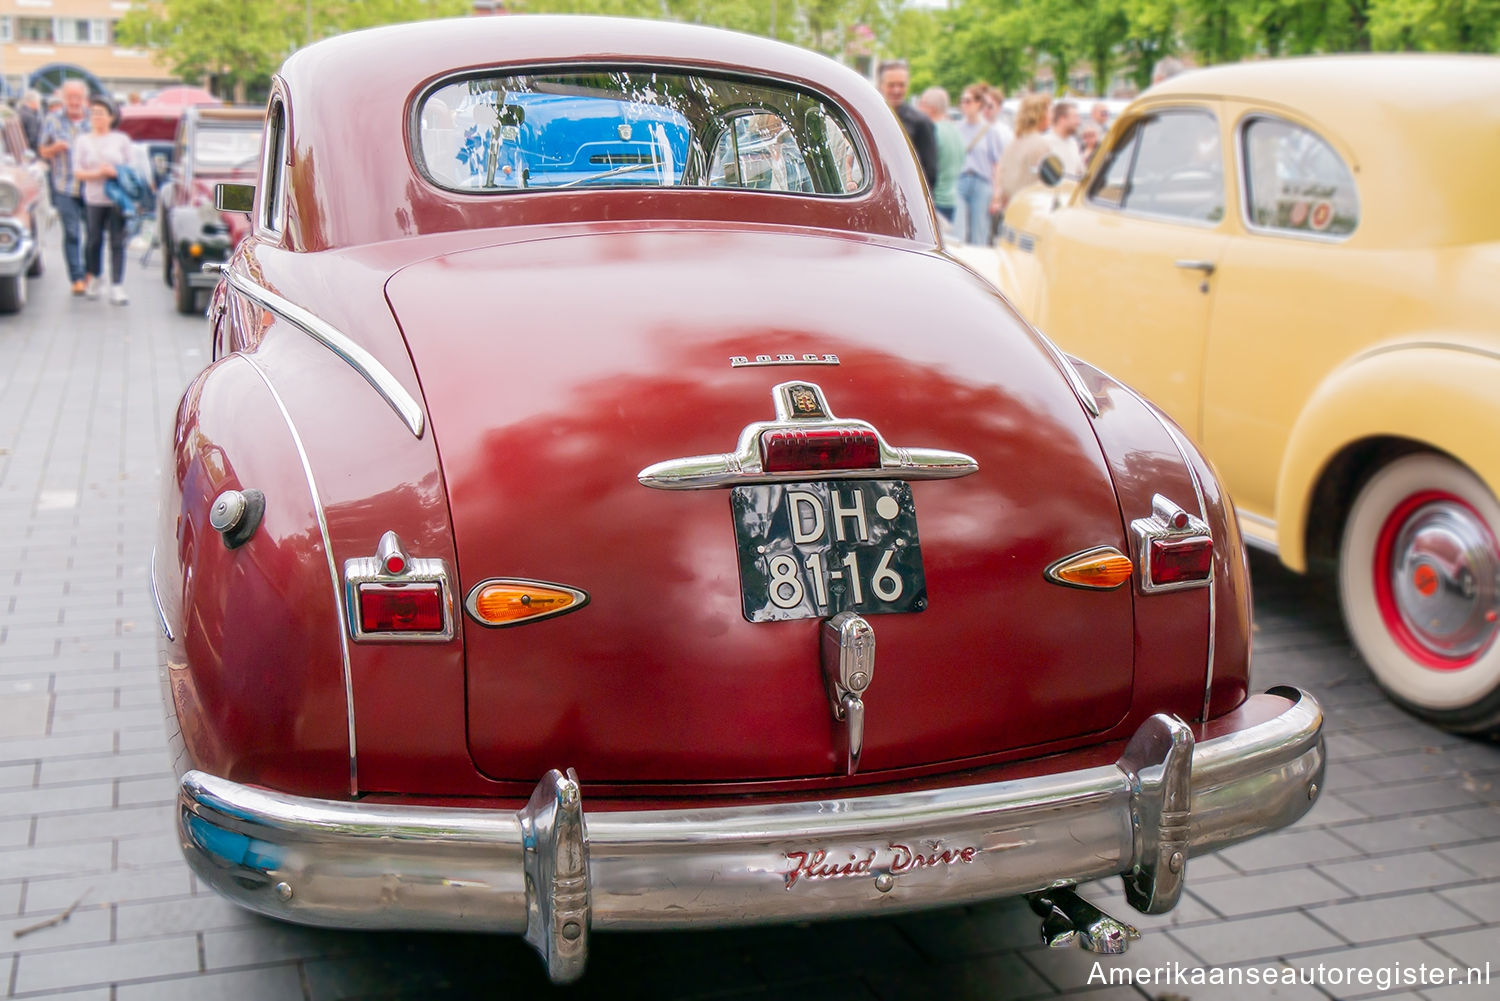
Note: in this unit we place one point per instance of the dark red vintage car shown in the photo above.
(607, 508)
(212, 145)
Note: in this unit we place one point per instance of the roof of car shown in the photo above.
(1325, 83)
(234, 115)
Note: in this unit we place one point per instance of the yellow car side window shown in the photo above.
(1295, 182)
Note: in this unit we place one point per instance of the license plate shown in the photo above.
(811, 550)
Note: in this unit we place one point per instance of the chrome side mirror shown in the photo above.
(1050, 170)
(234, 197)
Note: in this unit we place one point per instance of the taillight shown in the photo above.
(393, 597)
(400, 608)
(812, 451)
(1173, 547)
(1181, 561)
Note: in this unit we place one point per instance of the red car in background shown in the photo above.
(212, 145)
(678, 539)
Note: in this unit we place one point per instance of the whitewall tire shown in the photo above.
(1419, 584)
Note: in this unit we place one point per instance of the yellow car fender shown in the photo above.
(1441, 395)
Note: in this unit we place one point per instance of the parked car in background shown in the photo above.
(674, 547)
(23, 208)
(1296, 260)
(213, 145)
(153, 128)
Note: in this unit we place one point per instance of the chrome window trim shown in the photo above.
(356, 357)
(333, 571)
(161, 614)
(273, 196)
(1088, 196)
(1243, 181)
(418, 158)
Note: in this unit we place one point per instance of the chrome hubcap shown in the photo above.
(1445, 580)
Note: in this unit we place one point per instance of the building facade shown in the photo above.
(37, 34)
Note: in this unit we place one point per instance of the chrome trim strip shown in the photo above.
(1263, 543)
(161, 615)
(333, 570)
(379, 865)
(1213, 587)
(356, 357)
(1070, 372)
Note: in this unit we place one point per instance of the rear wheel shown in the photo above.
(12, 293)
(187, 296)
(1419, 582)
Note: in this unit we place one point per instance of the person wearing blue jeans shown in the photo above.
(56, 146)
(983, 147)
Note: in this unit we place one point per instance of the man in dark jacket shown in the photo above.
(894, 79)
(30, 112)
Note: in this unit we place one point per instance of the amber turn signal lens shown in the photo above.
(508, 602)
(1098, 569)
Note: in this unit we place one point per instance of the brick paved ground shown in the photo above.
(1400, 862)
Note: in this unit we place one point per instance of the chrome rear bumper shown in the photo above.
(553, 872)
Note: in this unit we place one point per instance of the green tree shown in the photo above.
(1151, 37)
(1435, 25)
(238, 45)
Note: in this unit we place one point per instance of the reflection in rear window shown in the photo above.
(634, 128)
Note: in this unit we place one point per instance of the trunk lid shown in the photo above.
(556, 370)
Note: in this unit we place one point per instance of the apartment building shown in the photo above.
(37, 34)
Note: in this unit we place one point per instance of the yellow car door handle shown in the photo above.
(1207, 267)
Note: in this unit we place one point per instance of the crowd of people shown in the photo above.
(97, 178)
(976, 164)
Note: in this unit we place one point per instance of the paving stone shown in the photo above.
(18, 776)
(1386, 918)
(56, 746)
(1405, 799)
(265, 941)
(1379, 836)
(1481, 900)
(1263, 938)
(1470, 948)
(269, 982)
(103, 964)
(1298, 847)
(120, 822)
(1482, 859)
(186, 914)
(56, 799)
(1342, 973)
(137, 764)
(1391, 873)
(23, 715)
(1268, 891)
(55, 860)
(84, 926)
(46, 895)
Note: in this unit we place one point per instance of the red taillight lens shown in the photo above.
(795, 451)
(1180, 561)
(401, 608)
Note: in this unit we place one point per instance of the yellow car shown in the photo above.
(1299, 261)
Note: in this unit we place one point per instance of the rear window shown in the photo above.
(635, 128)
(226, 147)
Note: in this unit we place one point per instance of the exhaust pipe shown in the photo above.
(1068, 918)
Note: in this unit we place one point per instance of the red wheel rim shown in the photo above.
(1385, 568)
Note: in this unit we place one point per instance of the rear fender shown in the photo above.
(252, 647)
(1437, 395)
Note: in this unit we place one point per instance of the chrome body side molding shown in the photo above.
(356, 357)
(161, 615)
(552, 870)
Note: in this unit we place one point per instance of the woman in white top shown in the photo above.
(96, 155)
